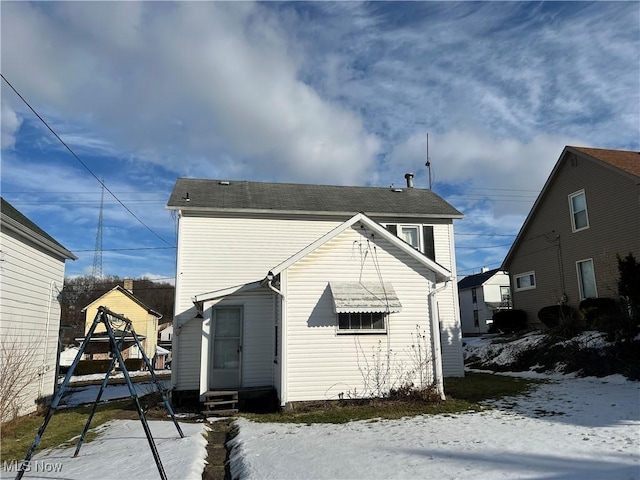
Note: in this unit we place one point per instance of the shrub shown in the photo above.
(552, 315)
(508, 321)
(597, 310)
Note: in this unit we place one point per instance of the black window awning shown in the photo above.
(354, 297)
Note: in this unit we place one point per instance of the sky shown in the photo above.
(341, 93)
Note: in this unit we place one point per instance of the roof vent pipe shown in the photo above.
(409, 177)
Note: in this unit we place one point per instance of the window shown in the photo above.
(525, 281)
(419, 238)
(374, 321)
(476, 319)
(586, 279)
(474, 295)
(505, 296)
(578, 205)
(411, 235)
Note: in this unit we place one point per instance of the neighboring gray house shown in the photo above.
(481, 295)
(31, 279)
(587, 213)
(302, 288)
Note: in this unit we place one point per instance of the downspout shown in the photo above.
(44, 367)
(437, 347)
(281, 333)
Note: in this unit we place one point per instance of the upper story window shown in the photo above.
(578, 206)
(474, 295)
(525, 281)
(419, 237)
(411, 235)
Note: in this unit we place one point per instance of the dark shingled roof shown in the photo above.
(477, 279)
(10, 211)
(296, 198)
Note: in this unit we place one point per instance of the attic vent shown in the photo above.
(574, 161)
(223, 182)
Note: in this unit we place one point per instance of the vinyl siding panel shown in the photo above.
(30, 283)
(550, 248)
(220, 252)
(257, 335)
(324, 364)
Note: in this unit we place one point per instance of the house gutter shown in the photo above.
(437, 347)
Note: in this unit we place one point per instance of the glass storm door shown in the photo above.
(226, 348)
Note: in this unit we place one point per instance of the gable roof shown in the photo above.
(131, 296)
(477, 279)
(262, 197)
(624, 162)
(14, 220)
(441, 273)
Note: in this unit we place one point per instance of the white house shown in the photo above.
(481, 295)
(319, 292)
(31, 280)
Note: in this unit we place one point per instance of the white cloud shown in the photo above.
(10, 123)
(186, 80)
(480, 163)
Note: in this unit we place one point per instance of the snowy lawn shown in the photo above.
(570, 428)
(122, 451)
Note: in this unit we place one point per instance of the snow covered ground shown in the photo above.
(121, 451)
(572, 428)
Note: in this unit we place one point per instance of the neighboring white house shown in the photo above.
(481, 295)
(289, 286)
(31, 279)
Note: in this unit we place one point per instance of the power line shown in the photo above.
(79, 160)
(125, 249)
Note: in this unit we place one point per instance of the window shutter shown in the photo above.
(393, 228)
(429, 244)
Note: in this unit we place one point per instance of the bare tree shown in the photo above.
(19, 373)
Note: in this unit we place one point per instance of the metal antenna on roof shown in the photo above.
(428, 164)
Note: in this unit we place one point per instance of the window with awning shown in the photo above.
(363, 306)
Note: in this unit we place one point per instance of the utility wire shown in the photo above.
(79, 160)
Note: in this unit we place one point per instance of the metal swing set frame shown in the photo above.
(107, 318)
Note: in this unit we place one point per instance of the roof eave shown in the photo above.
(187, 208)
(17, 227)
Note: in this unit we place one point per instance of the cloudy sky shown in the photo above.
(331, 92)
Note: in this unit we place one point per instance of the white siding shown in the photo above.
(257, 335)
(216, 253)
(448, 309)
(322, 364)
(31, 280)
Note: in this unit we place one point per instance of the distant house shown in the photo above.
(123, 302)
(165, 335)
(306, 288)
(32, 276)
(587, 213)
(481, 295)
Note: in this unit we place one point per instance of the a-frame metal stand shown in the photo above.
(108, 319)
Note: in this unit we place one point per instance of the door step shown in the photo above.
(221, 402)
